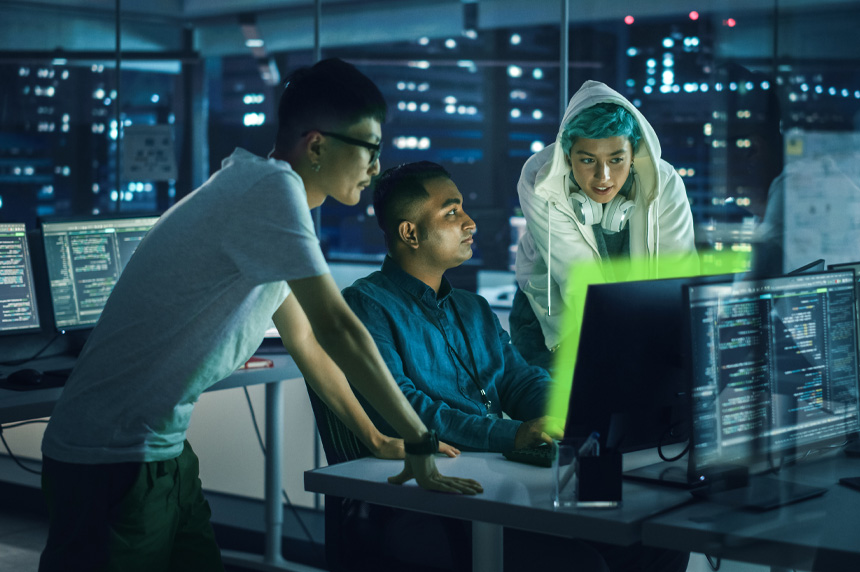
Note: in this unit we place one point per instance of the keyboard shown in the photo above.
(541, 455)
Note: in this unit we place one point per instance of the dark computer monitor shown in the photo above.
(18, 311)
(629, 380)
(814, 266)
(85, 258)
(773, 369)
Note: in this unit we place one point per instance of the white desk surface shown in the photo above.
(822, 533)
(515, 495)
(37, 403)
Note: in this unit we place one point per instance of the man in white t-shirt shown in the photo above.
(193, 303)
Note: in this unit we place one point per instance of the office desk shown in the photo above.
(37, 403)
(822, 533)
(515, 495)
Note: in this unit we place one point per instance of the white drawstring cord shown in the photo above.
(549, 259)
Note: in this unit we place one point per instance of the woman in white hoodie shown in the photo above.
(600, 191)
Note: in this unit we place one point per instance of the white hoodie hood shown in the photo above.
(550, 180)
(554, 238)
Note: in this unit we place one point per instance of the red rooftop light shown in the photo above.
(731, 22)
(694, 15)
(628, 20)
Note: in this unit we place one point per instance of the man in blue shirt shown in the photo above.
(455, 364)
(444, 346)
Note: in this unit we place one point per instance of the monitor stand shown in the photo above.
(852, 449)
(676, 474)
(668, 474)
(760, 493)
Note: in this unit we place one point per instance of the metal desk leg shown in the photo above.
(487, 547)
(274, 434)
(272, 559)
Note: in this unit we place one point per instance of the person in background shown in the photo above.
(600, 191)
(120, 480)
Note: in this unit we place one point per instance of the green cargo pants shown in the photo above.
(128, 517)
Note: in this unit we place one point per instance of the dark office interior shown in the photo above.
(750, 100)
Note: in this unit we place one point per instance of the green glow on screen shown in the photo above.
(582, 274)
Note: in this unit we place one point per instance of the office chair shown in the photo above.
(361, 536)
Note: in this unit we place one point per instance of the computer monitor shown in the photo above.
(629, 380)
(855, 266)
(18, 310)
(85, 258)
(814, 266)
(773, 369)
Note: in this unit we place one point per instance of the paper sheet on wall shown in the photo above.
(148, 153)
(804, 145)
(822, 210)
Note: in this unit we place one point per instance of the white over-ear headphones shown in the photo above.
(612, 216)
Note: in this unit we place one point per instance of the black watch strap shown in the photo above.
(427, 446)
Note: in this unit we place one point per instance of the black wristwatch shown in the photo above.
(427, 446)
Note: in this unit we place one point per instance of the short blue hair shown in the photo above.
(599, 122)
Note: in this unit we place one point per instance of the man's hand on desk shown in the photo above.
(423, 469)
(537, 431)
(391, 448)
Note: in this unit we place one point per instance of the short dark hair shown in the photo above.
(397, 189)
(331, 94)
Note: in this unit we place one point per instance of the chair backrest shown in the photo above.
(359, 535)
(339, 443)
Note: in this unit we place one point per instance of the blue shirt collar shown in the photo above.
(411, 285)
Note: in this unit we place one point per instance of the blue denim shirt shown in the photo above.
(410, 324)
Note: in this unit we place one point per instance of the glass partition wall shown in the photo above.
(744, 103)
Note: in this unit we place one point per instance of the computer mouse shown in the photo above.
(25, 377)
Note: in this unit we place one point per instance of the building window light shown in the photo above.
(254, 119)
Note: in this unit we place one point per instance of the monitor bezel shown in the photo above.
(846, 266)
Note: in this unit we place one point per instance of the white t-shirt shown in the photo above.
(192, 304)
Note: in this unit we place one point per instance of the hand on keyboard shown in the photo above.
(541, 455)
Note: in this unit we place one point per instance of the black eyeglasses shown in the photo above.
(375, 148)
